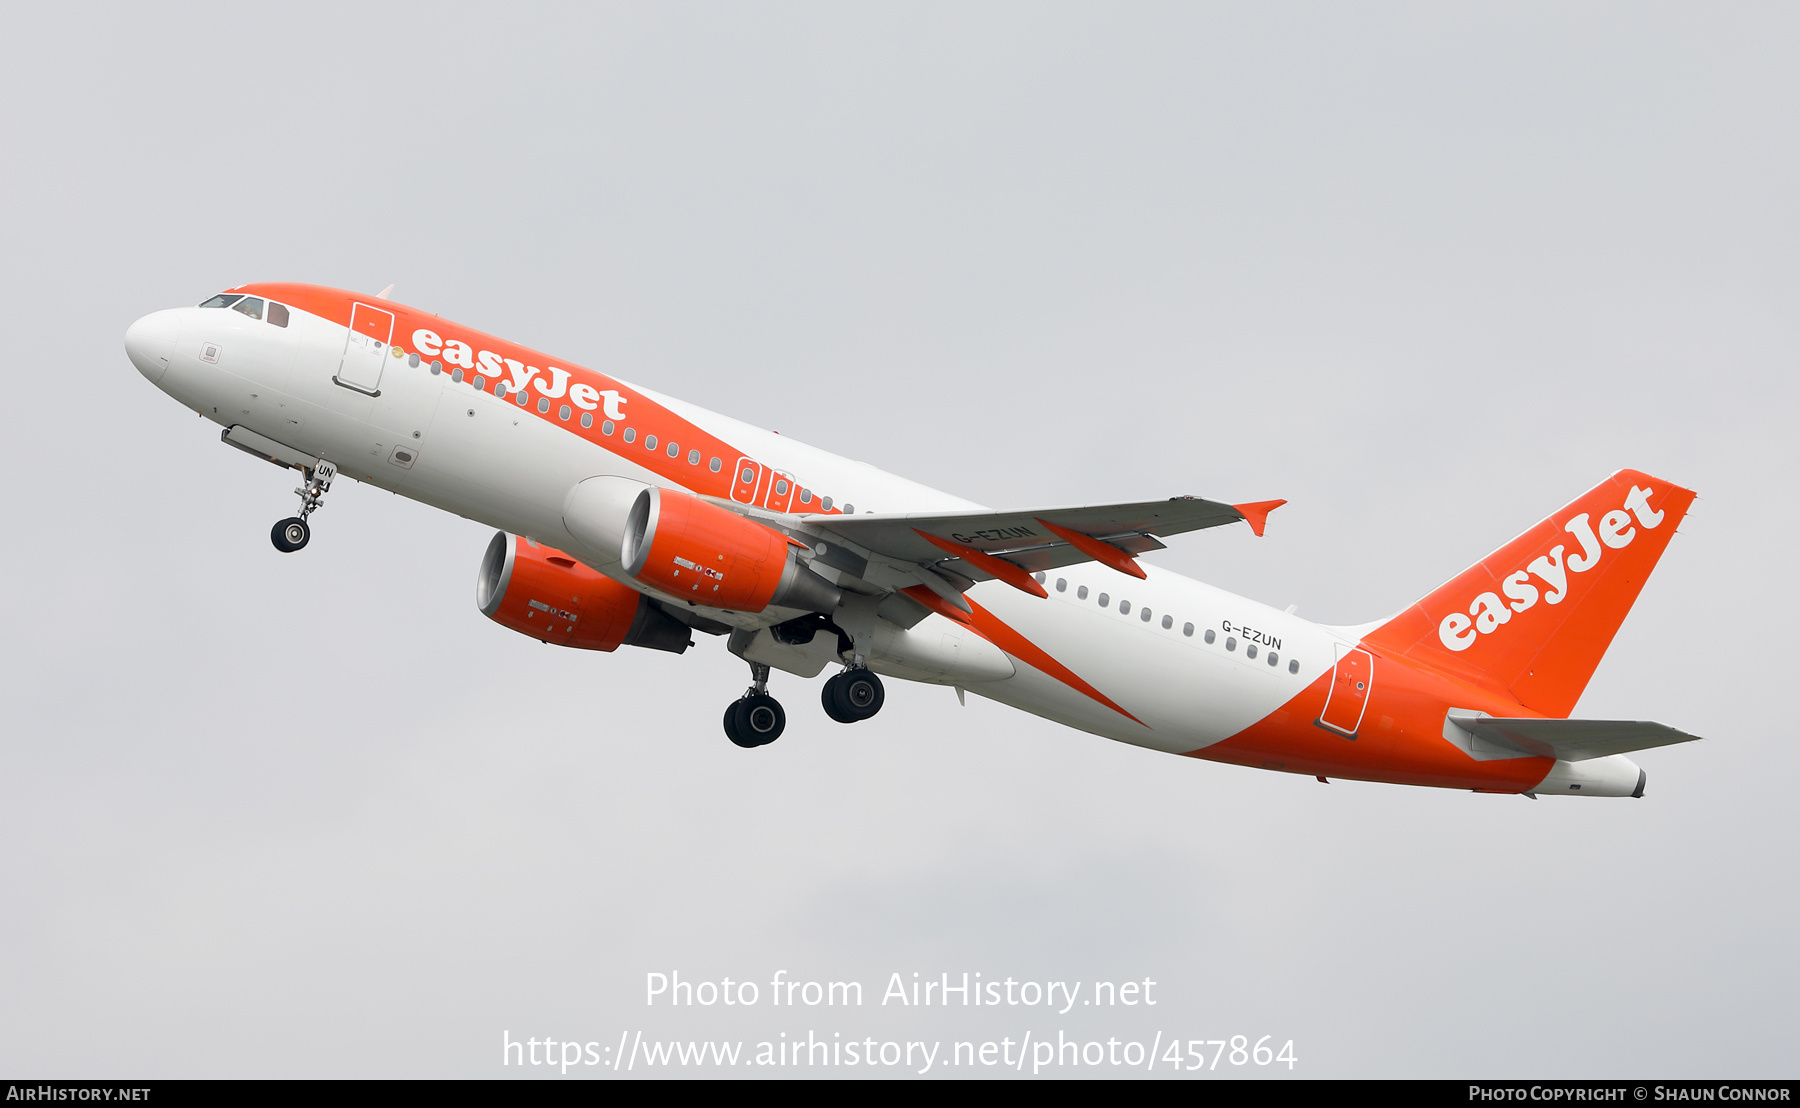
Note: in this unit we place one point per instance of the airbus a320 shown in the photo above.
(629, 518)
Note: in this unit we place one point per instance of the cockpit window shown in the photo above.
(250, 306)
(278, 314)
(223, 300)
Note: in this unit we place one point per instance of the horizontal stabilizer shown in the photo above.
(1569, 740)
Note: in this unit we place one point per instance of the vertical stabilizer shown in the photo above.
(1535, 617)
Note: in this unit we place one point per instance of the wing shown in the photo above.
(944, 554)
(1022, 537)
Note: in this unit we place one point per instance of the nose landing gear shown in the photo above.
(292, 533)
(756, 718)
(853, 695)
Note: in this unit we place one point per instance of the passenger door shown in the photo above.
(1351, 682)
(366, 349)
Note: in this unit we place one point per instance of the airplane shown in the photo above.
(626, 517)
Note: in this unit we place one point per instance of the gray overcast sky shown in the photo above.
(1427, 271)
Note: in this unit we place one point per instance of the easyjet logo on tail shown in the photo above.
(1487, 612)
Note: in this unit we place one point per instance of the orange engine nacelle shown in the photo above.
(683, 546)
(540, 591)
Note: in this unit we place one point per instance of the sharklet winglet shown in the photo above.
(1257, 514)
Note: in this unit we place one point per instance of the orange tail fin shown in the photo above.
(1535, 616)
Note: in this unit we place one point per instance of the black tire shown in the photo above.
(861, 693)
(290, 534)
(831, 698)
(733, 731)
(761, 719)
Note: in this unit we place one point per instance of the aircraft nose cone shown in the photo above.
(151, 340)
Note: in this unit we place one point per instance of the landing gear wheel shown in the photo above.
(853, 695)
(760, 717)
(756, 720)
(834, 707)
(732, 731)
(290, 534)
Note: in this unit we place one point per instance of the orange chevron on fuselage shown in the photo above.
(1399, 740)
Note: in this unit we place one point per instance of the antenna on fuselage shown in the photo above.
(383, 294)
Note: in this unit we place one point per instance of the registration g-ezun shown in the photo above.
(630, 518)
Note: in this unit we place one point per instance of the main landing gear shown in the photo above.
(756, 718)
(292, 533)
(853, 695)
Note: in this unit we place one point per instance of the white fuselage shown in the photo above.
(483, 457)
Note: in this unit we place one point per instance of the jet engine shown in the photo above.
(686, 547)
(540, 591)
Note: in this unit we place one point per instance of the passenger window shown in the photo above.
(673, 450)
(1081, 593)
(500, 389)
(606, 428)
(587, 419)
(1062, 584)
(1146, 616)
(411, 359)
(223, 300)
(806, 496)
(1210, 636)
(480, 383)
(825, 503)
(781, 488)
(693, 457)
(631, 434)
(543, 401)
(564, 412)
(1124, 607)
(1293, 665)
(1274, 658)
(250, 306)
(1250, 650)
(1039, 577)
(278, 315)
(715, 465)
(1105, 600)
(1230, 642)
(1188, 630)
(649, 442)
(849, 509)
(1168, 622)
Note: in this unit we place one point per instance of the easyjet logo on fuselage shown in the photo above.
(679, 451)
(1487, 612)
(554, 385)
